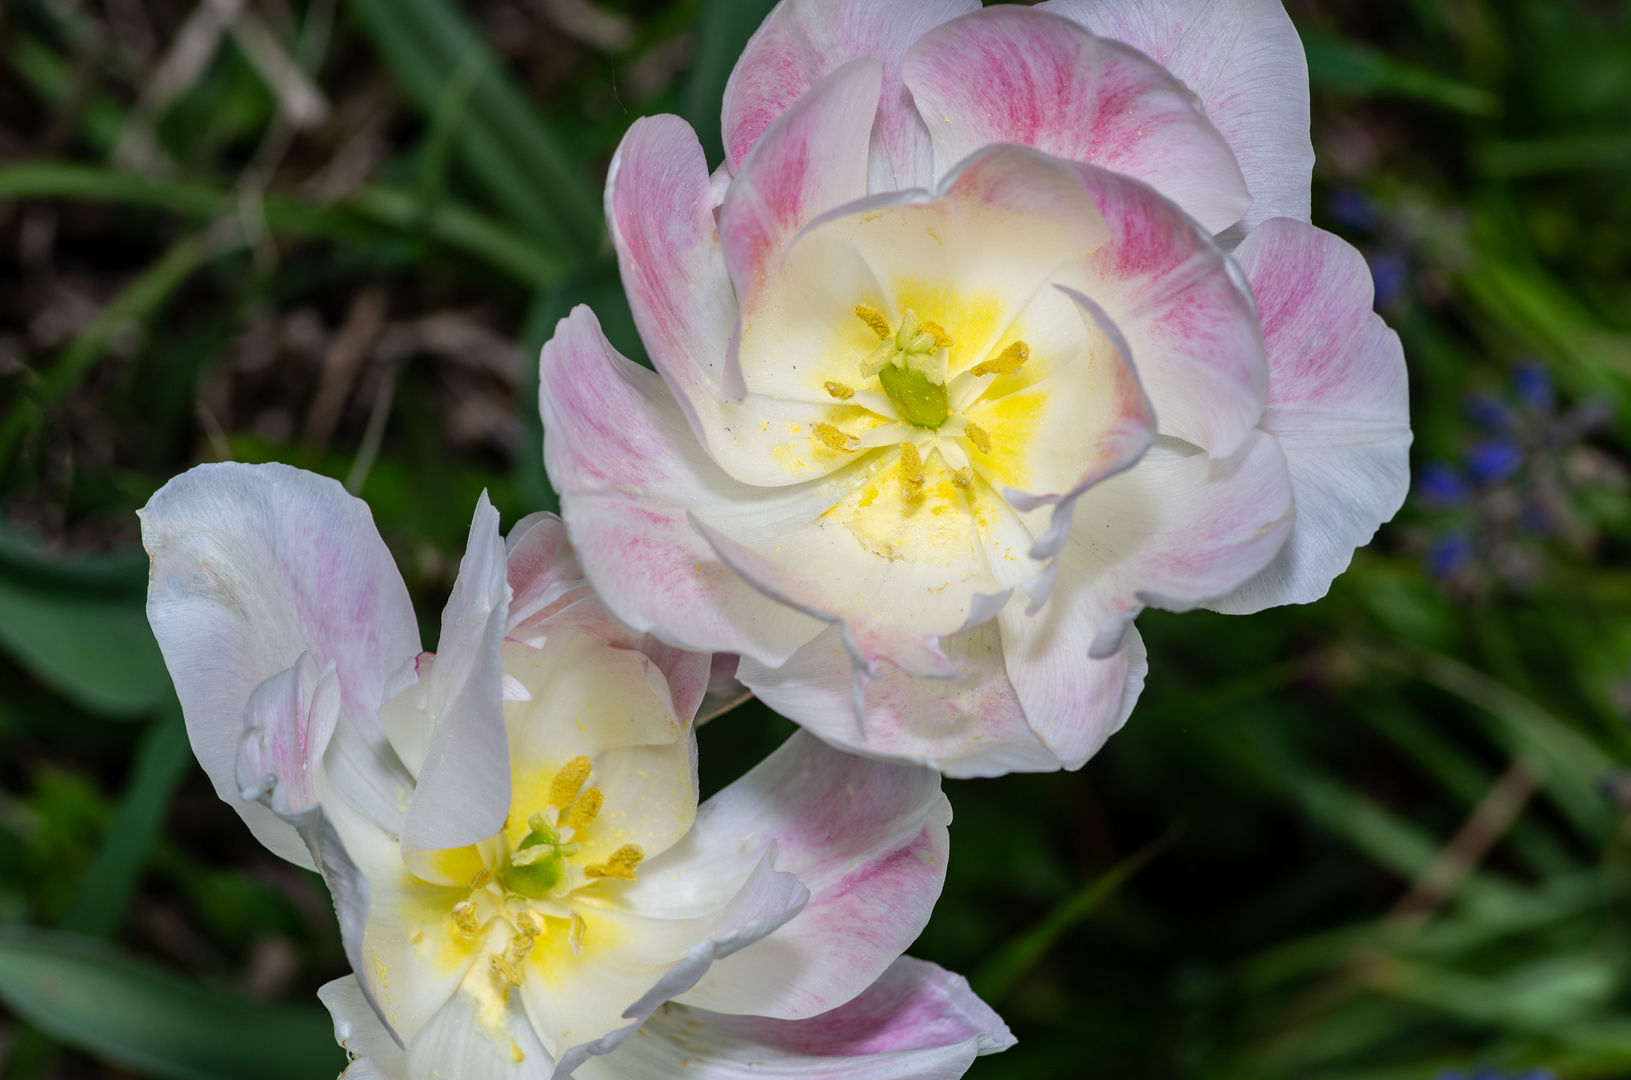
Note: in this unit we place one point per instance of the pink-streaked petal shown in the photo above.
(254, 565)
(661, 213)
(867, 838)
(811, 160)
(463, 790)
(1338, 403)
(917, 1022)
(803, 41)
(287, 726)
(540, 567)
(1175, 531)
(1182, 309)
(1243, 59)
(762, 905)
(627, 467)
(967, 726)
(1013, 75)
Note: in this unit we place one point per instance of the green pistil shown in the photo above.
(539, 867)
(918, 400)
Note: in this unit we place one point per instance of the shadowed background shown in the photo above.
(1382, 837)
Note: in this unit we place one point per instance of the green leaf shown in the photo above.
(1348, 67)
(81, 629)
(92, 996)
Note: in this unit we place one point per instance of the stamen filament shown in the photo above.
(564, 788)
(585, 809)
(620, 864)
(833, 438)
(911, 471)
(873, 319)
(1006, 362)
(574, 935)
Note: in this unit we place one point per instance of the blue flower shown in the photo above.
(1490, 412)
(1534, 385)
(1449, 555)
(1441, 485)
(1350, 207)
(1493, 460)
(1388, 271)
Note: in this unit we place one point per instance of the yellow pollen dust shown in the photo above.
(564, 788)
(874, 319)
(620, 864)
(481, 879)
(464, 917)
(1006, 362)
(976, 435)
(833, 437)
(585, 809)
(839, 390)
(911, 471)
(964, 477)
(942, 340)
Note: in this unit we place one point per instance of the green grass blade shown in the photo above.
(1348, 67)
(92, 996)
(161, 761)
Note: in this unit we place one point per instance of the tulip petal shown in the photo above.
(1175, 531)
(1182, 308)
(463, 789)
(917, 1022)
(612, 706)
(867, 838)
(967, 726)
(1338, 403)
(374, 1054)
(661, 214)
(1243, 59)
(626, 465)
(566, 1011)
(254, 565)
(805, 40)
(540, 567)
(1014, 75)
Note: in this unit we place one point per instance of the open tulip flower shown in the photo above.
(525, 883)
(994, 328)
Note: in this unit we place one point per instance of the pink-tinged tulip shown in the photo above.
(510, 828)
(995, 327)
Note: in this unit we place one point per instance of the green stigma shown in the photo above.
(907, 364)
(538, 868)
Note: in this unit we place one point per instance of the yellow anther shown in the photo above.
(574, 935)
(521, 947)
(942, 340)
(620, 864)
(840, 391)
(501, 964)
(964, 477)
(464, 917)
(482, 879)
(585, 809)
(1006, 362)
(528, 924)
(833, 437)
(975, 434)
(911, 471)
(564, 788)
(873, 319)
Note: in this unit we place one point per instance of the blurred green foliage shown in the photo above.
(1384, 836)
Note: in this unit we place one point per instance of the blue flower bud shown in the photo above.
(1493, 460)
